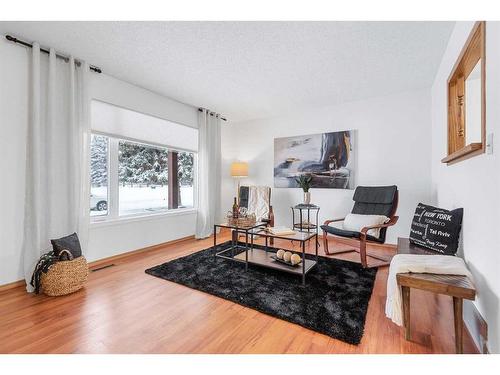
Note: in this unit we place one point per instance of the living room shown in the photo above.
(263, 187)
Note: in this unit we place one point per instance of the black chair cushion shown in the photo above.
(374, 200)
(243, 198)
(348, 233)
(375, 194)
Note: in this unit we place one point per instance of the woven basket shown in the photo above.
(242, 221)
(65, 277)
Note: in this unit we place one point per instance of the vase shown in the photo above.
(307, 197)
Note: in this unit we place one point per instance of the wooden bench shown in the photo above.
(458, 287)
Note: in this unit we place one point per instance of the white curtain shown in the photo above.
(209, 180)
(57, 183)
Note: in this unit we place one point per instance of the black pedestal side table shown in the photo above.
(304, 213)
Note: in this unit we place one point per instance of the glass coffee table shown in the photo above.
(246, 230)
(264, 257)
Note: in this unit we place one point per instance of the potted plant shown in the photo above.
(304, 181)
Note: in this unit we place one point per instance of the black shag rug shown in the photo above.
(333, 302)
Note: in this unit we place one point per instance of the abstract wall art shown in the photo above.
(329, 158)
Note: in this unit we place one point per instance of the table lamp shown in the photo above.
(239, 170)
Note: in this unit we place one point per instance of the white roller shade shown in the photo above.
(127, 124)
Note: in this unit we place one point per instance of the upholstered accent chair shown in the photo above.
(368, 200)
(257, 200)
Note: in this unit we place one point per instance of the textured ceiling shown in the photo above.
(249, 70)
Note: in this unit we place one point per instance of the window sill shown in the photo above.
(96, 223)
(468, 151)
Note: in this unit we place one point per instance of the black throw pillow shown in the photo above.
(436, 229)
(70, 243)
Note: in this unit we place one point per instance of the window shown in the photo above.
(186, 179)
(99, 146)
(140, 164)
(143, 178)
(132, 178)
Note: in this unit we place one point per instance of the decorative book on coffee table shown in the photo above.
(280, 231)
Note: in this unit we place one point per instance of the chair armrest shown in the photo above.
(333, 221)
(390, 223)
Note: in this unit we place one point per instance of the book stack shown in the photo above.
(280, 231)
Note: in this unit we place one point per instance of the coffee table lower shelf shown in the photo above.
(263, 258)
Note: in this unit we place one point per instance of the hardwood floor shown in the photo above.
(124, 310)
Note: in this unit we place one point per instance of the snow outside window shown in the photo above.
(131, 178)
(143, 178)
(99, 150)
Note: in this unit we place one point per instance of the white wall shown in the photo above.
(474, 183)
(105, 240)
(392, 145)
(108, 239)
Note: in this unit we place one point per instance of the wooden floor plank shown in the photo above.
(124, 310)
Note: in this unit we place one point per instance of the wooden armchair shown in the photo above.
(369, 200)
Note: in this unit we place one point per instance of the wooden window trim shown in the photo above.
(473, 50)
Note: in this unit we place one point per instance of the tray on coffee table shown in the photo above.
(282, 261)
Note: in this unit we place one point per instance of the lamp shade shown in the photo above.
(239, 169)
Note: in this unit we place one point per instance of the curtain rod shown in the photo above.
(212, 113)
(78, 63)
(65, 58)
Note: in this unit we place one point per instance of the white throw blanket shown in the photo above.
(403, 263)
(258, 201)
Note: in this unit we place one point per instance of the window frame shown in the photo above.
(108, 166)
(472, 52)
(113, 215)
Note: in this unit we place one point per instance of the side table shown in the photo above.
(458, 287)
(303, 212)
(234, 239)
